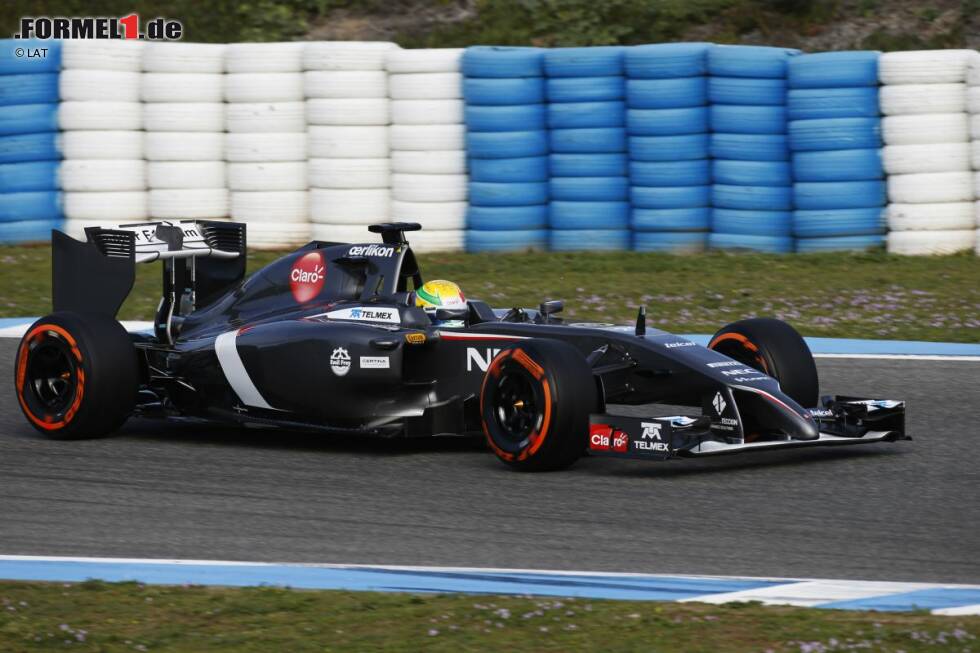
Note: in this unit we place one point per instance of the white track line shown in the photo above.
(814, 592)
(961, 611)
(902, 357)
(797, 592)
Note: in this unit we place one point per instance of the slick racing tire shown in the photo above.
(535, 403)
(76, 375)
(774, 348)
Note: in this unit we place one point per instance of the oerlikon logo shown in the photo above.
(307, 276)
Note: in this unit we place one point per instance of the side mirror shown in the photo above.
(551, 307)
(455, 313)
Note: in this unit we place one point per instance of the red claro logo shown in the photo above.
(307, 277)
(603, 437)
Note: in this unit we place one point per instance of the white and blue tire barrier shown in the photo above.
(668, 123)
(30, 179)
(835, 136)
(752, 195)
(507, 145)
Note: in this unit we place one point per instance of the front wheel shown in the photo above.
(535, 403)
(76, 375)
(775, 348)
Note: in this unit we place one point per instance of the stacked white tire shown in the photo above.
(973, 106)
(265, 144)
(926, 130)
(184, 120)
(347, 112)
(103, 174)
(428, 158)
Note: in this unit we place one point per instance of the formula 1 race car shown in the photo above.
(329, 338)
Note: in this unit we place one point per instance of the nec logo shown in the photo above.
(474, 357)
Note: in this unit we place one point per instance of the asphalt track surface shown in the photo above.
(907, 511)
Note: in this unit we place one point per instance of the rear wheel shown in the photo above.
(535, 404)
(76, 375)
(774, 348)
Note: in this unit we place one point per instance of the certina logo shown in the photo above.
(375, 363)
(371, 250)
(340, 361)
(719, 403)
(480, 358)
(725, 364)
(682, 343)
(650, 438)
(307, 276)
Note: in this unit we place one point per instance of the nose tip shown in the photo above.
(807, 430)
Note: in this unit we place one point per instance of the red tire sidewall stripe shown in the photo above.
(46, 422)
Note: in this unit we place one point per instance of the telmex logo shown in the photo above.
(362, 314)
(481, 359)
(652, 440)
(368, 314)
(370, 250)
(651, 430)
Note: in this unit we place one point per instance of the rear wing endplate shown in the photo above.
(202, 258)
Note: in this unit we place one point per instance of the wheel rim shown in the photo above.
(51, 376)
(518, 404)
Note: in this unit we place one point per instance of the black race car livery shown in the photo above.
(329, 339)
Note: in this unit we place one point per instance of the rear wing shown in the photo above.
(202, 260)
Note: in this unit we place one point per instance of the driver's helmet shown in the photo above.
(440, 294)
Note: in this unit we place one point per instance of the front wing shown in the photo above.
(842, 420)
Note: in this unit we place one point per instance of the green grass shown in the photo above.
(871, 295)
(95, 616)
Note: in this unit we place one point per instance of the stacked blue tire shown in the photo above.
(752, 191)
(670, 173)
(507, 148)
(835, 139)
(586, 118)
(30, 205)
